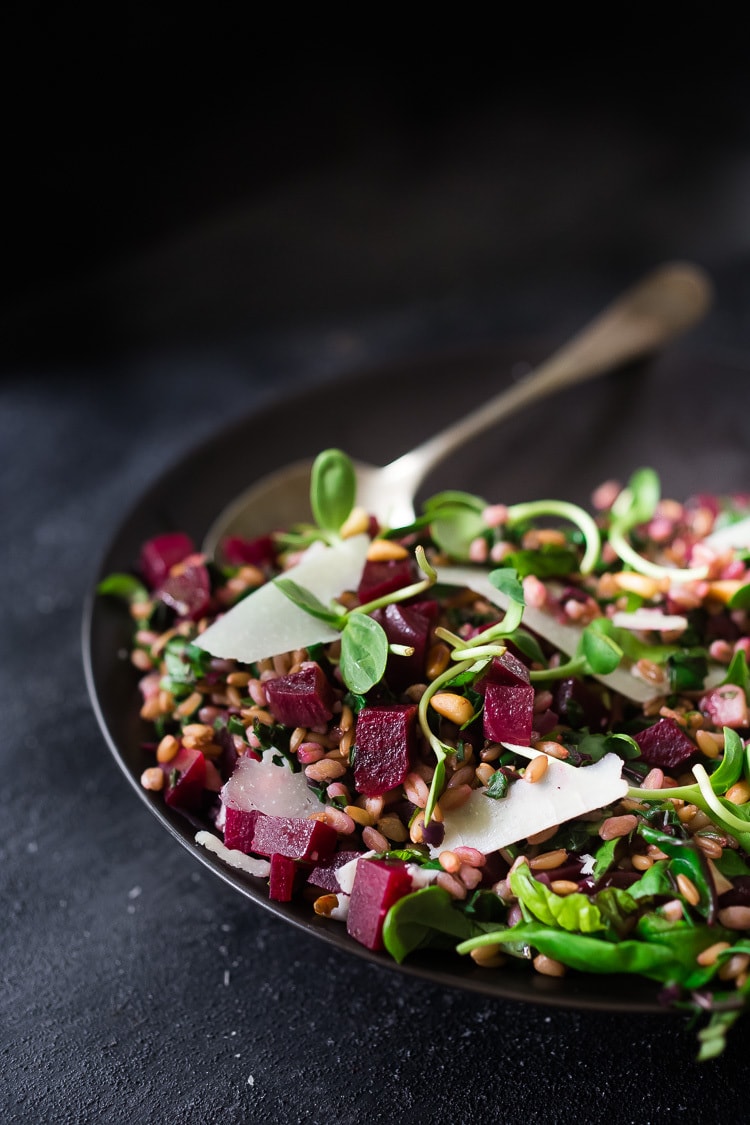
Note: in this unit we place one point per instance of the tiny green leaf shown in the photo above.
(506, 580)
(123, 586)
(602, 653)
(304, 599)
(333, 489)
(364, 652)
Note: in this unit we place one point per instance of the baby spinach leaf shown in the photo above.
(573, 912)
(547, 562)
(124, 586)
(427, 917)
(737, 672)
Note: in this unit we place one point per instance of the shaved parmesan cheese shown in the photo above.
(564, 793)
(564, 637)
(267, 623)
(259, 867)
(644, 620)
(270, 789)
(733, 535)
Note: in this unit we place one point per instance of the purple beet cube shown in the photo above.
(665, 744)
(385, 745)
(249, 552)
(509, 713)
(186, 778)
(404, 625)
(283, 875)
(239, 828)
(301, 699)
(378, 883)
(160, 554)
(505, 669)
(324, 875)
(381, 578)
(295, 838)
(188, 593)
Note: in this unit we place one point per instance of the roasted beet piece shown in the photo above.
(665, 744)
(295, 838)
(324, 875)
(239, 828)
(580, 705)
(160, 554)
(301, 699)
(283, 875)
(378, 883)
(380, 578)
(505, 669)
(249, 552)
(188, 593)
(385, 742)
(404, 625)
(509, 713)
(185, 779)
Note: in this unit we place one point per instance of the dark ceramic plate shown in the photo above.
(684, 414)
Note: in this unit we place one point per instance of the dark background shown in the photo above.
(201, 218)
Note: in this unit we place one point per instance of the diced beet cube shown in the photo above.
(505, 669)
(324, 875)
(427, 606)
(160, 554)
(294, 837)
(665, 744)
(726, 706)
(239, 828)
(580, 705)
(378, 883)
(381, 578)
(509, 713)
(301, 699)
(385, 745)
(214, 780)
(186, 778)
(281, 882)
(403, 625)
(545, 721)
(249, 552)
(188, 593)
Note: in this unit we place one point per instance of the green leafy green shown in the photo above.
(304, 599)
(575, 912)
(364, 652)
(549, 561)
(737, 672)
(333, 488)
(124, 586)
(498, 786)
(428, 917)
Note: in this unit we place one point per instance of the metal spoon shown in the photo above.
(660, 307)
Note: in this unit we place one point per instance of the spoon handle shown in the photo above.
(661, 306)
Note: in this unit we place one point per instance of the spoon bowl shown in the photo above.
(660, 307)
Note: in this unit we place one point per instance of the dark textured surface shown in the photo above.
(137, 987)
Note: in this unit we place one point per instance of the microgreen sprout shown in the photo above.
(597, 654)
(636, 505)
(364, 644)
(333, 490)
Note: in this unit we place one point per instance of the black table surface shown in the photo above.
(136, 987)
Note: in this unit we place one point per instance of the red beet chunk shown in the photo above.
(295, 838)
(188, 593)
(160, 554)
(506, 669)
(665, 744)
(378, 883)
(726, 706)
(186, 778)
(249, 552)
(380, 578)
(404, 625)
(385, 742)
(301, 699)
(324, 875)
(427, 606)
(281, 882)
(239, 828)
(509, 713)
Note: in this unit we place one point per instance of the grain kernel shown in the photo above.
(386, 550)
(536, 769)
(456, 708)
(153, 779)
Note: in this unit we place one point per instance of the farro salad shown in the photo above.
(517, 732)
